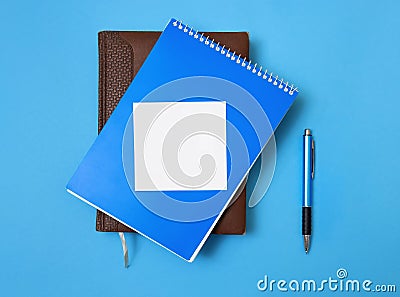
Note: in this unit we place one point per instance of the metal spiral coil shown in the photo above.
(268, 76)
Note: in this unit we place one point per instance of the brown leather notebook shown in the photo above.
(121, 54)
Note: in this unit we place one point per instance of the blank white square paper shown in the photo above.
(180, 146)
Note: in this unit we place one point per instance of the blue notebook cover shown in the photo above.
(190, 94)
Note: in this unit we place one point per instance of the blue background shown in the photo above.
(344, 56)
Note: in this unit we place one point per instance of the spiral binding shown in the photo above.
(268, 76)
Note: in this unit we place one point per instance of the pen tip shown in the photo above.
(306, 243)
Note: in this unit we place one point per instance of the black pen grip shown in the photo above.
(306, 217)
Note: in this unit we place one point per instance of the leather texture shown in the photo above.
(121, 54)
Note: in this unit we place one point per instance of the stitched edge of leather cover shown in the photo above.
(120, 56)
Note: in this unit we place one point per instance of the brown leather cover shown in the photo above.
(121, 54)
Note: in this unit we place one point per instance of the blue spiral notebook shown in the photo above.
(182, 139)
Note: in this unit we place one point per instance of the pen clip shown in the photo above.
(312, 159)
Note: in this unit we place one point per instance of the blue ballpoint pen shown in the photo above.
(308, 175)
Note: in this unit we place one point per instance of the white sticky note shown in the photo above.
(180, 146)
